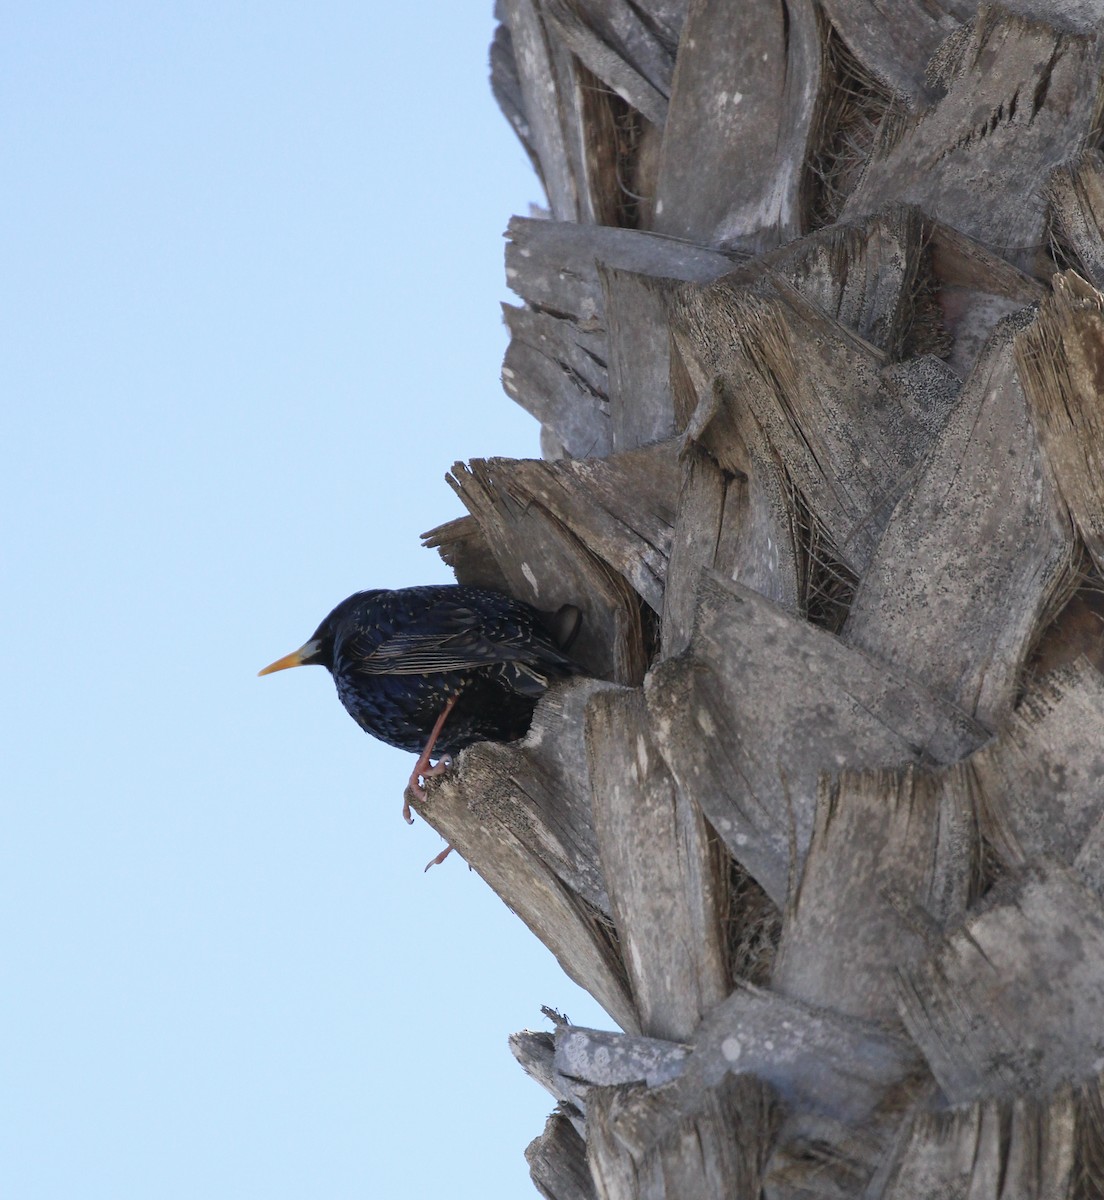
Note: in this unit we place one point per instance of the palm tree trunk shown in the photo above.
(812, 330)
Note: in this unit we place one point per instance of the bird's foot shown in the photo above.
(436, 862)
(414, 784)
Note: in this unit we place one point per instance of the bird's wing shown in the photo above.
(453, 637)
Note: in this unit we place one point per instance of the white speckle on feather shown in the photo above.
(705, 723)
(731, 1049)
(741, 839)
(642, 753)
(525, 252)
(507, 373)
(527, 571)
(511, 272)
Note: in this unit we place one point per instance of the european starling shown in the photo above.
(434, 669)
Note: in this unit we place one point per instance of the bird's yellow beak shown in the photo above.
(295, 659)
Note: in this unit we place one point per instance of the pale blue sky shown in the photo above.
(252, 262)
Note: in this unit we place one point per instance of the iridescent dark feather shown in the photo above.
(398, 657)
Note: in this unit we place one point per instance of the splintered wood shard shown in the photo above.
(557, 372)
(620, 508)
(1012, 1002)
(727, 521)
(506, 87)
(619, 48)
(761, 703)
(519, 815)
(536, 1055)
(462, 544)
(976, 290)
(553, 264)
(641, 403)
(861, 275)
(557, 1162)
(588, 354)
(549, 801)
(815, 1060)
(1028, 1147)
(808, 397)
(975, 549)
(716, 1153)
(1041, 792)
(1021, 98)
(665, 880)
(546, 564)
(599, 1058)
(1061, 359)
(548, 103)
(893, 40)
(1076, 195)
(889, 865)
(745, 192)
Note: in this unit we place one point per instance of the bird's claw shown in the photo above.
(436, 862)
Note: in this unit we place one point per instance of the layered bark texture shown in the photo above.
(812, 329)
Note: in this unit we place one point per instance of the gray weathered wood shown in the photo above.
(975, 549)
(977, 289)
(553, 264)
(806, 392)
(890, 861)
(641, 403)
(1060, 360)
(556, 365)
(1076, 194)
(547, 99)
(665, 880)
(545, 564)
(536, 1055)
(618, 48)
(1027, 1148)
(464, 547)
(893, 40)
(556, 372)
(714, 1155)
(820, 1063)
(729, 522)
(540, 790)
(745, 192)
(860, 274)
(1021, 99)
(506, 87)
(1012, 1002)
(484, 808)
(1041, 781)
(557, 1162)
(597, 1057)
(761, 703)
(621, 508)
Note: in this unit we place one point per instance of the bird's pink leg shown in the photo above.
(422, 769)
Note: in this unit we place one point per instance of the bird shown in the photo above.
(436, 668)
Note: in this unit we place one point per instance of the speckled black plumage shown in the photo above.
(398, 657)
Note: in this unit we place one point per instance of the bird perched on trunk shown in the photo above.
(434, 669)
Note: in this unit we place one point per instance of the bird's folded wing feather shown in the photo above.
(457, 643)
